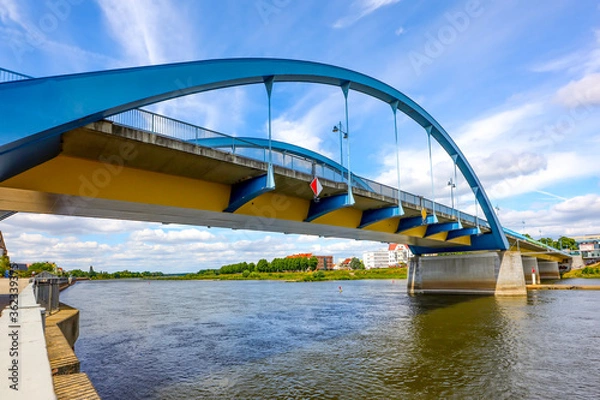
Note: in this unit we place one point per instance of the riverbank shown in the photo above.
(337, 275)
(591, 271)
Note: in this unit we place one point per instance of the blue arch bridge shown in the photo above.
(81, 145)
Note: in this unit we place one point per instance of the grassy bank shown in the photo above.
(341, 275)
(591, 271)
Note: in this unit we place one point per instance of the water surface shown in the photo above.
(258, 339)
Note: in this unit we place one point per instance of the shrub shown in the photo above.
(246, 273)
(320, 275)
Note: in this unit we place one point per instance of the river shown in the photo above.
(277, 340)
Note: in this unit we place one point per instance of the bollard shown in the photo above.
(43, 312)
(533, 276)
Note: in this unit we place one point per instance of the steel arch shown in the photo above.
(38, 110)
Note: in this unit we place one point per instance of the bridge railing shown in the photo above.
(170, 127)
(7, 75)
(176, 129)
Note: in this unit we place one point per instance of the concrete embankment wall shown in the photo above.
(498, 273)
(577, 262)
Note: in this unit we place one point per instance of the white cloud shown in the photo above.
(582, 92)
(49, 224)
(171, 248)
(490, 129)
(23, 35)
(575, 216)
(309, 122)
(566, 62)
(9, 11)
(160, 236)
(149, 32)
(360, 9)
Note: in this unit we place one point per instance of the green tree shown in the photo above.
(355, 263)
(4, 264)
(262, 266)
(77, 273)
(38, 267)
(567, 243)
(313, 262)
(303, 264)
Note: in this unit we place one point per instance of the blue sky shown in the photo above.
(516, 85)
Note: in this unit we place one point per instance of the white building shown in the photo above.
(376, 259)
(399, 253)
(392, 257)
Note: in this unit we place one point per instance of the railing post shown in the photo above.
(153, 124)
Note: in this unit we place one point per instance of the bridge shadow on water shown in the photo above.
(460, 346)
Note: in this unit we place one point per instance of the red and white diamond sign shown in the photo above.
(316, 186)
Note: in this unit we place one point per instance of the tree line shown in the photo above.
(562, 243)
(125, 274)
(288, 264)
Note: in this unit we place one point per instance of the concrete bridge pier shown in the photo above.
(577, 262)
(548, 270)
(497, 273)
(530, 264)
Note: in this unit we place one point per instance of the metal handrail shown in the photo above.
(180, 130)
(7, 75)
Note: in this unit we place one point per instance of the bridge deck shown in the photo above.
(105, 170)
(112, 171)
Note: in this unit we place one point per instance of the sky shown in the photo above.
(517, 87)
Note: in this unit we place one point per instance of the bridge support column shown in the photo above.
(494, 273)
(548, 270)
(529, 264)
(577, 262)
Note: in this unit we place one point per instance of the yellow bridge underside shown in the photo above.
(67, 175)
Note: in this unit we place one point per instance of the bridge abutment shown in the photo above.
(548, 270)
(577, 262)
(494, 273)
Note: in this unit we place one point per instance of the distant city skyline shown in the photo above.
(517, 87)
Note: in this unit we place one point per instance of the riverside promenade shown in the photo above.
(37, 355)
